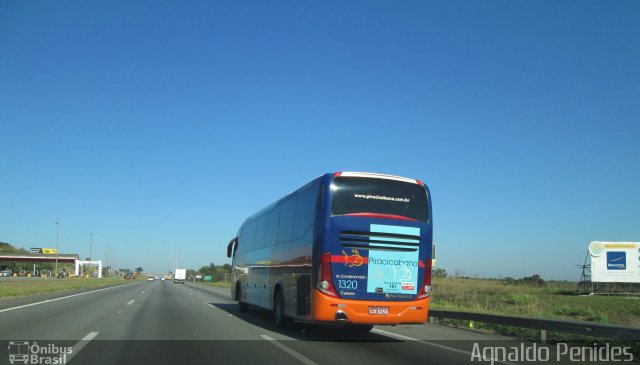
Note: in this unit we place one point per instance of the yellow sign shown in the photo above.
(620, 245)
(49, 251)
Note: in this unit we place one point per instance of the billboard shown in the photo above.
(46, 251)
(615, 262)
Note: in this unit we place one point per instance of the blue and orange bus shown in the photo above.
(348, 247)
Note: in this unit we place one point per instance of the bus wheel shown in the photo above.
(242, 306)
(359, 328)
(278, 311)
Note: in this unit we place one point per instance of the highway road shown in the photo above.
(165, 323)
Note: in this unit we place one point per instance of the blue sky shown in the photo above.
(159, 126)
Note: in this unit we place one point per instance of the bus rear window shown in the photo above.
(362, 195)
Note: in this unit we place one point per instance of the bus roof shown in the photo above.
(377, 176)
(372, 175)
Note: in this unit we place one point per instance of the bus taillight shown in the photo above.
(425, 288)
(325, 281)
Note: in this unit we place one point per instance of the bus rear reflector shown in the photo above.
(325, 281)
(425, 288)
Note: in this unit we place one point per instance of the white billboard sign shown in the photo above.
(615, 262)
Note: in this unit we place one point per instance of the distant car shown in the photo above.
(5, 273)
(150, 278)
(163, 279)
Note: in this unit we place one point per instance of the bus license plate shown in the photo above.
(379, 310)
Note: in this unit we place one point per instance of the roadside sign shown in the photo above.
(198, 276)
(207, 278)
(615, 262)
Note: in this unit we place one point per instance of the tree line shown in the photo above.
(216, 272)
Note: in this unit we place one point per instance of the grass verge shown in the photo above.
(33, 286)
(220, 284)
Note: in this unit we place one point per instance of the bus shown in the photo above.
(348, 248)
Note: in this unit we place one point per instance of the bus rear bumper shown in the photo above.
(329, 309)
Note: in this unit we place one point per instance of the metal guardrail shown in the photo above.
(578, 327)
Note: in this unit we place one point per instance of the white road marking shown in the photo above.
(289, 350)
(469, 353)
(131, 301)
(81, 344)
(394, 335)
(65, 297)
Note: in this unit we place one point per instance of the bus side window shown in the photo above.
(249, 236)
(273, 219)
(287, 216)
(305, 212)
(261, 232)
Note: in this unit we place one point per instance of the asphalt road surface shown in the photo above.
(165, 323)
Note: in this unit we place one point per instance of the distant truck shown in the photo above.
(180, 276)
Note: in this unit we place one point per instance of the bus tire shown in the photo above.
(242, 306)
(282, 321)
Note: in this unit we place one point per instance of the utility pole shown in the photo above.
(175, 261)
(90, 248)
(57, 244)
(107, 260)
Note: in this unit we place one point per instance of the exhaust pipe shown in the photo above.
(341, 316)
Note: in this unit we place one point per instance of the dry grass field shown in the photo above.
(558, 300)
